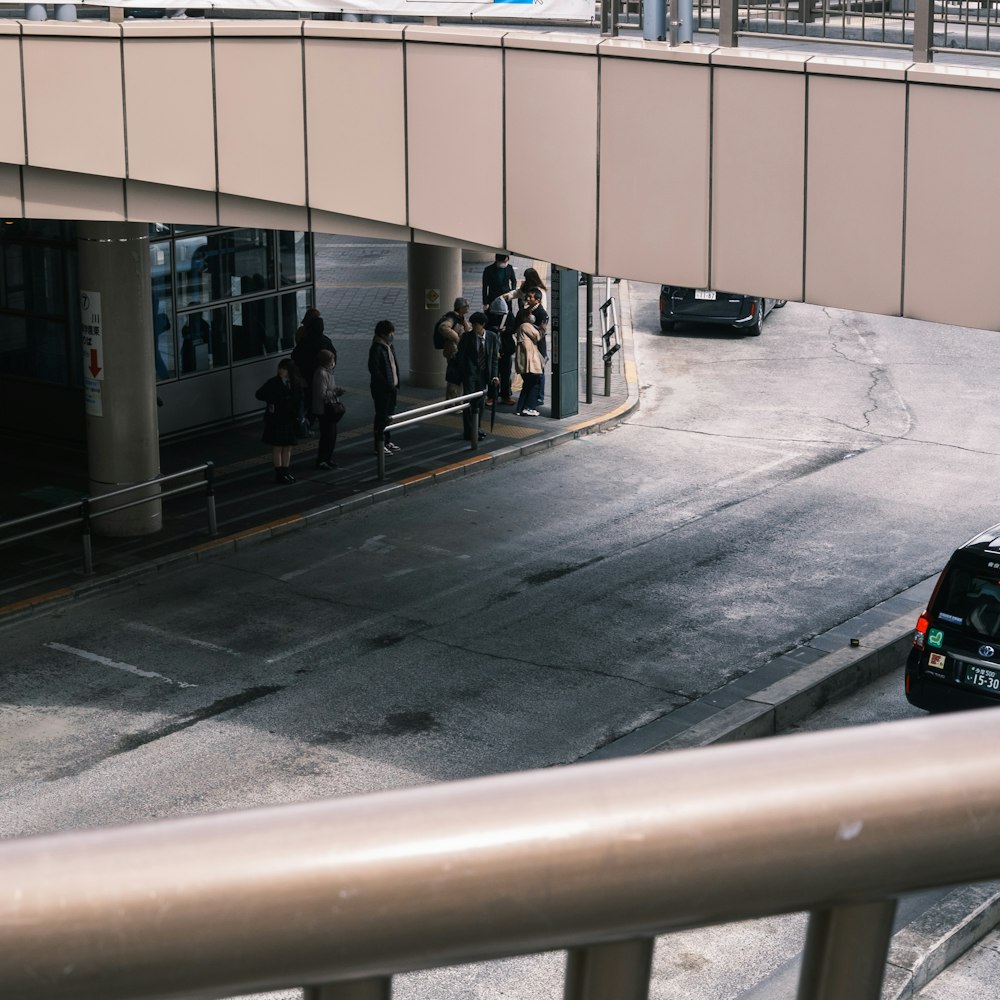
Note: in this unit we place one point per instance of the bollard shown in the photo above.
(88, 555)
(213, 526)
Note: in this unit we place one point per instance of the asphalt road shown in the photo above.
(768, 489)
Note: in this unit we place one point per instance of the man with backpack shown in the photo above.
(447, 333)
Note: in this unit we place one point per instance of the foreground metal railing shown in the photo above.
(83, 512)
(597, 859)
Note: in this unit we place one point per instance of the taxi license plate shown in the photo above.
(704, 293)
(982, 678)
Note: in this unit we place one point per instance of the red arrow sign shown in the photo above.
(94, 366)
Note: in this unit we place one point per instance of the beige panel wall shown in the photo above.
(357, 138)
(454, 97)
(56, 194)
(261, 129)
(758, 182)
(654, 178)
(159, 203)
(346, 225)
(11, 110)
(854, 220)
(10, 191)
(249, 212)
(552, 157)
(73, 95)
(951, 242)
(168, 94)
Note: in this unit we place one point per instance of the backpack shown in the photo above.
(438, 335)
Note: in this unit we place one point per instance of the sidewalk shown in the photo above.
(357, 283)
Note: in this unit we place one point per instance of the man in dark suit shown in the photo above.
(478, 358)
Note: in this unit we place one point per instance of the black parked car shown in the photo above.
(955, 659)
(705, 305)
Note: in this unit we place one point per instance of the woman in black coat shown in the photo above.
(281, 418)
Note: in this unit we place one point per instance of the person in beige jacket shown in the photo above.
(528, 364)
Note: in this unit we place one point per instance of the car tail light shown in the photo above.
(920, 632)
(907, 684)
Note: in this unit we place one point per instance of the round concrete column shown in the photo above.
(434, 276)
(123, 446)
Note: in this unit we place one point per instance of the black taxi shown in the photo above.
(955, 659)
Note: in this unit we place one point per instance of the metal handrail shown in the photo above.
(598, 858)
(86, 509)
(421, 413)
(610, 337)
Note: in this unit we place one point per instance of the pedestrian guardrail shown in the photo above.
(83, 512)
(610, 337)
(597, 859)
(925, 26)
(421, 413)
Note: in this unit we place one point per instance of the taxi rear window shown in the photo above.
(972, 599)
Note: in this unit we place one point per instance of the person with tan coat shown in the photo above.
(529, 365)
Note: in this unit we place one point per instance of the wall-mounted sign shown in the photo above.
(91, 332)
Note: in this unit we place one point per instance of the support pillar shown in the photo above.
(123, 446)
(435, 281)
(564, 341)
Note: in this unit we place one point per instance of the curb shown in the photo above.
(240, 540)
(929, 944)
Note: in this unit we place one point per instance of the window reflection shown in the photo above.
(202, 271)
(293, 308)
(293, 258)
(254, 328)
(204, 340)
(161, 277)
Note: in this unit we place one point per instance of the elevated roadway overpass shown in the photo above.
(847, 182)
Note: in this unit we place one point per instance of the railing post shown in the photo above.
(618, 971)
(727, 24)
(213, 526)
(88, 555)
(380, 452)
(379, 988)
(609, 18)
(474, 413)
(845, 951)
(923, 31)
(590, 338)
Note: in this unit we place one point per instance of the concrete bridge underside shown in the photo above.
(847, 182)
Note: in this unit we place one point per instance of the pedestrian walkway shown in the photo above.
(358, 283)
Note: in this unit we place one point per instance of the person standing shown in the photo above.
(306, 353)
(326, 406)
(528, 363)
(498, 319)
(478, 355)
(498, 278)
(281, 418)
(384, 371)
(533, 314)
(448, 331)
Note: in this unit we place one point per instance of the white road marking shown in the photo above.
(787, 456)
(164, 634)
(304, 647)
(116, 664)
